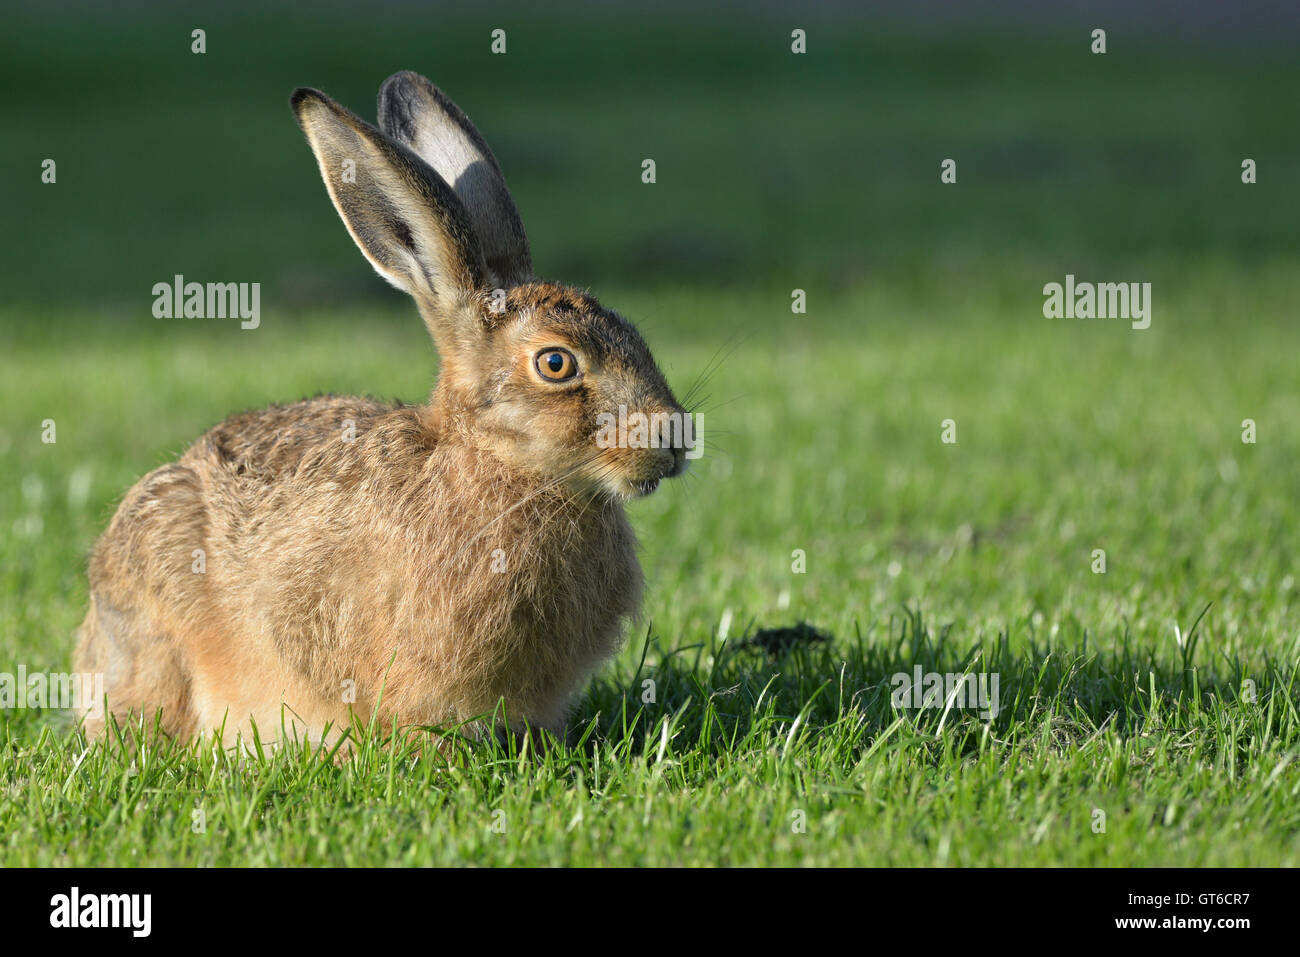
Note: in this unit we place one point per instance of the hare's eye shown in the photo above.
(556, 365)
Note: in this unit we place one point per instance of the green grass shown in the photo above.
(823, 429)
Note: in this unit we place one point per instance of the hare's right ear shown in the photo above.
(404, 217)
(421, 117)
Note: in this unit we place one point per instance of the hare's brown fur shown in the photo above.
(330, 562)
(341, 558)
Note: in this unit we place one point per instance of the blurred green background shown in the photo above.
(774, 170)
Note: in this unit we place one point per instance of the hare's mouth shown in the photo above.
(630, 488)
(639, 474)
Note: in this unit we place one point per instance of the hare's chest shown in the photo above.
(572, 583)
(564, 594)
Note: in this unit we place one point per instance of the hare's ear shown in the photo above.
(404, 217)
(421, 117)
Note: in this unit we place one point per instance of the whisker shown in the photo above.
(710, 368)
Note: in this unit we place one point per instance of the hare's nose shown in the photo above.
(674, 437)
(680, 462)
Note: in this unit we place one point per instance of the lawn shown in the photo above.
(1147, 713)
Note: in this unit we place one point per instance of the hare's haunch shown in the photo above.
(340, 557)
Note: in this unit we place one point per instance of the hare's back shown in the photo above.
(283, 441)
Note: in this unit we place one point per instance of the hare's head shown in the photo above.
(540, 375)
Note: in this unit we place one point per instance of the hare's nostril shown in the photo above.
(679, 462)
(674, 461)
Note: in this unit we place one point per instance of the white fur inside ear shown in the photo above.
(450, 156)
(412, 272)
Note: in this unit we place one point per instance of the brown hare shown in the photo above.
(340, 558)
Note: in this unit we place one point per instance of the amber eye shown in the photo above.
(556, 365)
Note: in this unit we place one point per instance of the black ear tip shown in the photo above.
(405, 86)
(398, 101)
(401, 78)
(302, 94)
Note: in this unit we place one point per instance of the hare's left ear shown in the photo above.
(422, 118)
(404, 218)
